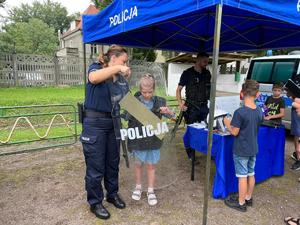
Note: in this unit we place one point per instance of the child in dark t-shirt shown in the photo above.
(275, 105)
(244, 126)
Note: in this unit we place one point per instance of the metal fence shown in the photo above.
(140, 67)
(37, 70)
(37, 127)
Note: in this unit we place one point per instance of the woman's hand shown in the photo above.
(103, 74)
(125, 71)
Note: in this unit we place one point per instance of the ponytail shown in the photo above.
(115, 50)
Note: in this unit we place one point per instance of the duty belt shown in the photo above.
(196, 104)
(201, 103)
(95, 114)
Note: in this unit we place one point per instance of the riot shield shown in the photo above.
(147, 138)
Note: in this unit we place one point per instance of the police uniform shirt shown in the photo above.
(191, 77)
(97, 95)
(188, 74)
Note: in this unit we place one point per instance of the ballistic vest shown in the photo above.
(149, 143)
(197, 90)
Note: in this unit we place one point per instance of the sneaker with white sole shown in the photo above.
(152, 200)
(294, 156)
(136, 194)
(296, 165)
(234, 203)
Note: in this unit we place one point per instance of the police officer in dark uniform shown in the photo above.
(196, 80)
(105, 87)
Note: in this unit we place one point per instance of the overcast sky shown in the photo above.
(71, 5)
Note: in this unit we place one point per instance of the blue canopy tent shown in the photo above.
(189, 25)
(197, 25)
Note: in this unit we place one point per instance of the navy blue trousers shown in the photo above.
(102, 156)
(193, 115)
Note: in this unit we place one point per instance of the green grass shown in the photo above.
(18, 96)
(51, 95)
(41, 95)
(38, 96)
(27, 134)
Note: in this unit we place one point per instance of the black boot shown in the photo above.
(117, 202)
(100, 211)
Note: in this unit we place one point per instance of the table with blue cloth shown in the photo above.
(269, 160)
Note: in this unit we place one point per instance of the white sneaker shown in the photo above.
(152, 200)
(136, 194)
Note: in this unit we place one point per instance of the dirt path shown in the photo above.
(48, 188)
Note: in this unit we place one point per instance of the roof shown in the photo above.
(278, 57)
(91, 10)
(223, 58)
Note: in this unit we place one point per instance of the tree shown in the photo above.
(2, 3)
(169, 54)
(148, 55)
(101, 4)
(33, 37)
(51, 13)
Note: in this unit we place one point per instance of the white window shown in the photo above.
(94, 49)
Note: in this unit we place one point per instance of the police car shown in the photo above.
(273, 69)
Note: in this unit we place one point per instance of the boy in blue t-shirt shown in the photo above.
(244, 126)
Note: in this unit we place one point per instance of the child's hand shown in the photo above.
(267, 118)
(227, 122)
(166, 110)
(182, 107)
(296, 104)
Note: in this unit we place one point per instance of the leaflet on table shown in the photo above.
(201, 125)
(225, 133)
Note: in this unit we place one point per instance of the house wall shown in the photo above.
(225, 82)
(74, 40)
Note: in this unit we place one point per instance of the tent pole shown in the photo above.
(215, 60)
(84, 68)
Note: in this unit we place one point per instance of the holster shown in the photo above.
(80, 108)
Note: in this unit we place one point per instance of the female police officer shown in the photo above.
(101, 148)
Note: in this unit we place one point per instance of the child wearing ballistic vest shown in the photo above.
(147, 150)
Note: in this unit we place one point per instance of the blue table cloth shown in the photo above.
(269, 161)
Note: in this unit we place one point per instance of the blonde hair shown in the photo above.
(115, 50)
(148, 81)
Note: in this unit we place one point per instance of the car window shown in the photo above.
(261, 71)
(282, 71)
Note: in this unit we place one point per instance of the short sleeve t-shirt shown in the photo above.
(97, 95)
(187, 75)
(248, 120)
(197, 85)
(274, 105)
